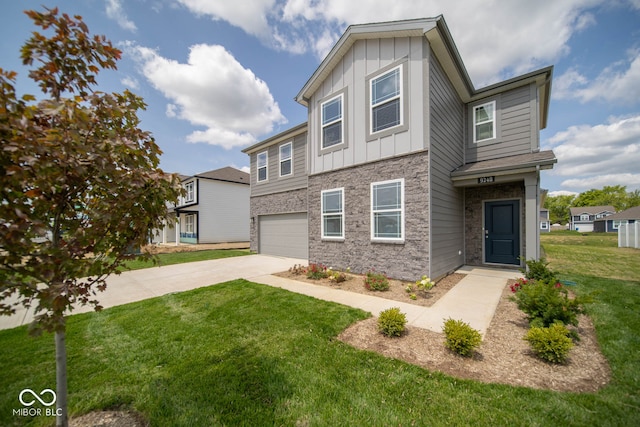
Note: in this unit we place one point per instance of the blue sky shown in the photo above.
(220, 75)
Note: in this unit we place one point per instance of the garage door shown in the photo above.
(284, 235)
(584, 228)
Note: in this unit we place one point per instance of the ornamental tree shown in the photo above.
(81, 183)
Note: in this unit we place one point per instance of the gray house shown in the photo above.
(584, 217)
(611, 223)
(404, 166)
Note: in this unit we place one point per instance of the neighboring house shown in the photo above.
(215, 209)
(582, 218)
(403, 166)
(611, 223)
(545, 223)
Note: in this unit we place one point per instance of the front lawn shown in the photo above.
(183, 257)
(241, 353)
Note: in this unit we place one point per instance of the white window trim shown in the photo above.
(290, 158)
(399, 97)
(190, 223)
(618, 223)
(266, 166)
(323, 125)
(322, 214)
(493, 124)
(190, 196)
(402, 212)
(585, 217)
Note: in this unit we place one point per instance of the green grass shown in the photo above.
(183, 257)
(241, 353)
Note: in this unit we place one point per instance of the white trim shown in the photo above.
(399, 97)
(401, 211)
(290, 159)
(190, 196)
(493, 121)
(266, 166)
(340, 119)
(323, 214)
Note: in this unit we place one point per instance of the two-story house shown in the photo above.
(214, 209)
(583, 218)
(403, 166)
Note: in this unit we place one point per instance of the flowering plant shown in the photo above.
(515, 287)
(316, 271)
(425, 284)
(376, 281)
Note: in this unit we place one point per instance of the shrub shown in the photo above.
(316, 271)
(460, 337)
(424, 284)
(546, 304)
(551, 344)
(336, 276)
(539, 271)
(298, 269)
(392, 322)
(376, 281)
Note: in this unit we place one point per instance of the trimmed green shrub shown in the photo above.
(539, 271)
(461, 337)
(376, 281)
(549, 303)
(392, 322)
(551, 344)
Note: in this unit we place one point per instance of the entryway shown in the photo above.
(502, 232)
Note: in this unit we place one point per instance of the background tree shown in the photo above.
(77, 171)
(614, 195)
(559, 208)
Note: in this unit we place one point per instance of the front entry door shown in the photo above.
(502, 232)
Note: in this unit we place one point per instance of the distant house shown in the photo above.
(582, 218)
(612, 222)
(404, 166)
(545, 223)
(215, 209)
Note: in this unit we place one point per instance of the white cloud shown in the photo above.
(215, 91)
(130, 82)
(252, 18)
(592, 156)
(116, 12)
(562, 193)
(620, 83)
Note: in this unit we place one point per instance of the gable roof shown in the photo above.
(631, 213)
(591, 210)
(276, 139)
(226, 174)
(442, 45)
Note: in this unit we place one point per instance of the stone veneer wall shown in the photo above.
(474, 221)
(408, 260)
(278, 203)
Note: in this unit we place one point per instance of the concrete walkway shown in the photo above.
(473, 299)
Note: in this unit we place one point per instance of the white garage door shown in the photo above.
(284, 235)
(584, 228)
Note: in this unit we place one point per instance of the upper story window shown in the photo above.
(332, 129)
(484, 121)
(386, 100)
(584, 217)
(333, 214)
(190, 195)
(261, 165)
(387, 210)
(286, 159)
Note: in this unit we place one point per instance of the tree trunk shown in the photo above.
(61, 379)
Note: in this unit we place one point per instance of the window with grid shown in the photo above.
(262, 166)
(333, 214)
(332, 122)
(387, 210)
(286, 158)
(386, 100)
(484, 123)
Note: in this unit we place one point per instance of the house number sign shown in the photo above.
(486, 179)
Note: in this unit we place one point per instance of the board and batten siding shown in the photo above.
(362, 60)
(275, 183)
(517, 124)
(446, 117)
(223, 212)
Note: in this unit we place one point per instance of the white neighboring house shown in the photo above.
(215, 209)
(582, 218)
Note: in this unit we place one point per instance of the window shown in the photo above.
(617, 224)
(484, 123)
(584, 217)
(189, 188)
(332, 133)
(333, 214)
(286, 157)
(190, 224)
(262, 166)
(544, 225)
(387, 210)
(386, 100)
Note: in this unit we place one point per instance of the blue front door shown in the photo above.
(502, 232)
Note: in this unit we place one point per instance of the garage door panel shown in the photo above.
(284, 235)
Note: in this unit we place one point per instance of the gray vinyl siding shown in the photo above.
(223, 212)
(362, 60)
(517, 124)
(275, 183)
(446, 153)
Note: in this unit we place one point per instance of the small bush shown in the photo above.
(551, 344)
(316, 271)
(424, 284)
(549, 303)
(376, 281)
(392, 322)
(298, 270)
(460, 337)
(539, 271)
(336, 276)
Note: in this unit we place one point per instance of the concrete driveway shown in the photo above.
(138, 285)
